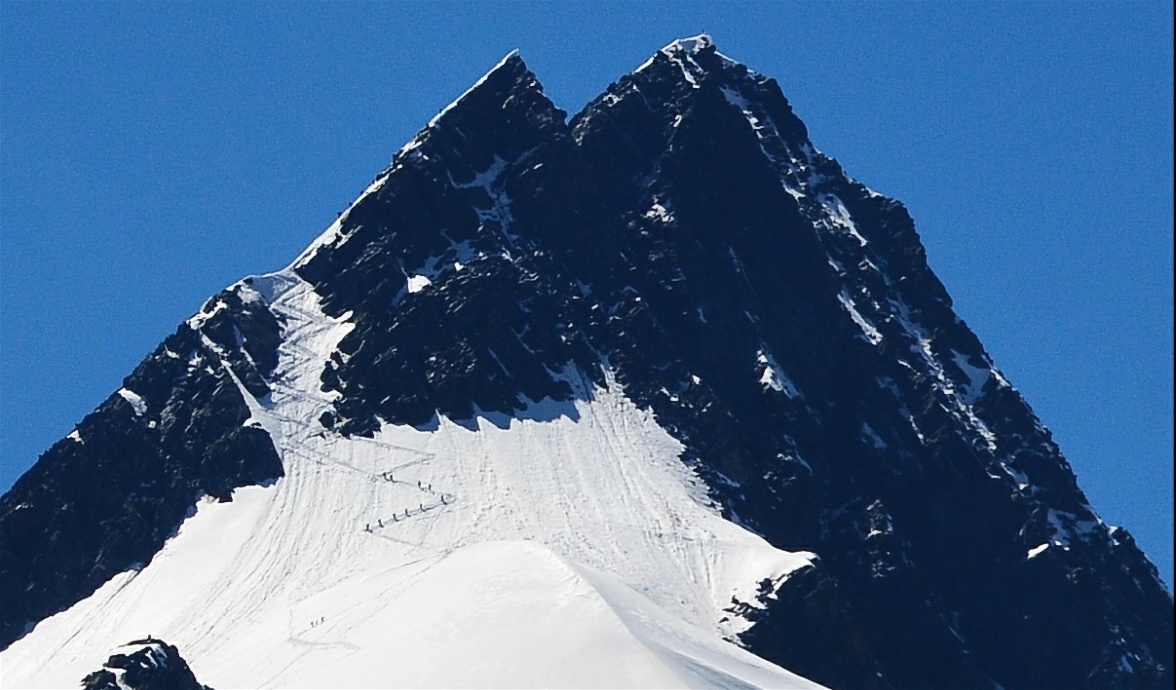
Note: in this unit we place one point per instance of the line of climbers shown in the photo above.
(421, 508)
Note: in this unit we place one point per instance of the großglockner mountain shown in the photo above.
(655, 395)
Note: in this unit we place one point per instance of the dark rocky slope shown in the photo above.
(106, 498)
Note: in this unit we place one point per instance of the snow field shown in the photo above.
(570, 548)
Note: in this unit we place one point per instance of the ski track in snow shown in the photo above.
(580, 539)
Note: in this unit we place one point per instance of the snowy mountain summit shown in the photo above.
(654, 396)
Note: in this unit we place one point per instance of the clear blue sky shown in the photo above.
(151, 154)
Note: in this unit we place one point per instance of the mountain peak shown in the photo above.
(692, 45)
(510, 69)
(695, 54)
(666, 371)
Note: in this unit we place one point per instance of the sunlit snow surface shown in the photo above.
(570, 547)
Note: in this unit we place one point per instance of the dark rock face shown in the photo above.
(154, 665)
(446, 203)
(681, 234)
(107, 498)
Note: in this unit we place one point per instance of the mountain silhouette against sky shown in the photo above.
(652, 395)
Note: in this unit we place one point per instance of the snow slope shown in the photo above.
(568, 546)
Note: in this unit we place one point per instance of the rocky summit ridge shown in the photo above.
(681, 240)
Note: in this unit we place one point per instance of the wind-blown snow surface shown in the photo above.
(568, 546)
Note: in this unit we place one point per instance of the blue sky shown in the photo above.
(151, 154)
